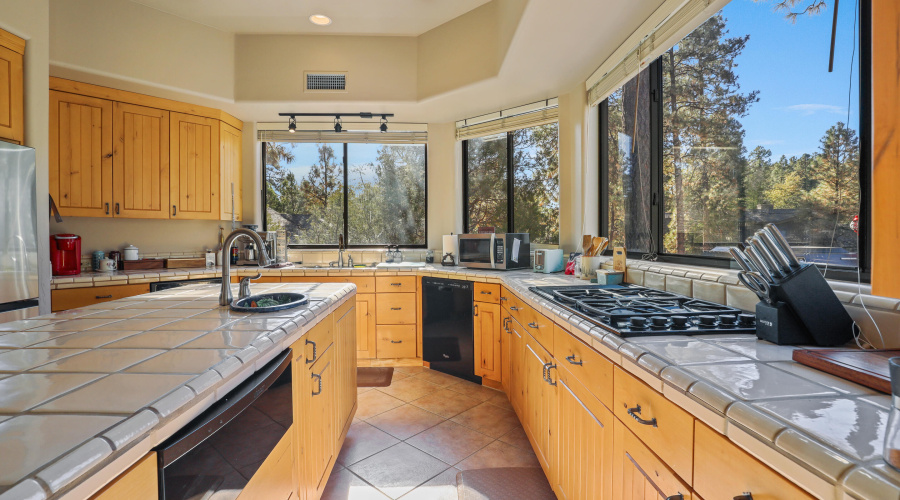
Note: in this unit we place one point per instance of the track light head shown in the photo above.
(337, 124)
(292, 125)
(383, 126)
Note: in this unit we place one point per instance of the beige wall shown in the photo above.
(444, 183)
(150, 236)
(578, 183)
(112, 40)
(271, 67)
(29, 19)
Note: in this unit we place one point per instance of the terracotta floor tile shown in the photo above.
(409, 389)
(517, 438)
(488, 419)
(499, 454)
(345, 485)
(363, 390)
(450, 442)
(437, 378)
(410, 370)
(500, 400)
(440, 487)
(473, 390)
(445, 403)
(363, 441)
(398, 469)
(373, 403)
(405, 421)
(398, 375)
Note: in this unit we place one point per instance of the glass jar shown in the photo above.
(892, 433)
(429, 257)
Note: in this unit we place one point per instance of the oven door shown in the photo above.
(216, 454)
(476, 250)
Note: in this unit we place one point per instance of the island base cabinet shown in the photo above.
(274, 478)
(139, 482)
(638, 474)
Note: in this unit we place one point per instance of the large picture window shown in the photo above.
(741, 124)
(373, 194)
(512, 183)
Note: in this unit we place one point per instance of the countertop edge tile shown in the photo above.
(132, 428)
(823, 459)
(28, 489)
(60, 473)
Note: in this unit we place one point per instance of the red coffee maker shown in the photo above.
(65, 254)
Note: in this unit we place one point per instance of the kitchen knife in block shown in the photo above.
(815, 305)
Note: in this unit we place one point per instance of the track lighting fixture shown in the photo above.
(383, 126)
(292, 125)
(337, 124)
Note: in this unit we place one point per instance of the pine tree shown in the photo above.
(324, 178)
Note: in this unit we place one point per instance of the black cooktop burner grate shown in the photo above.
(632, 310)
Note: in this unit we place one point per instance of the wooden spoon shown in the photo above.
(603, 247)
(586, 243)
(596, 243)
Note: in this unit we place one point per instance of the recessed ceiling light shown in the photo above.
(320, 19)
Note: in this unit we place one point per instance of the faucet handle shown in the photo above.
(244, 290)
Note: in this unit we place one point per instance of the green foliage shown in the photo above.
(487, 183)
(536, 186)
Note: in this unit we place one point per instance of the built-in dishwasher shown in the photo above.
(448, 330)
(217, 453)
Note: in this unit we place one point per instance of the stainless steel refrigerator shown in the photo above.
(18, 233)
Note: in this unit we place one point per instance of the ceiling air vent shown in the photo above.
(326, 82)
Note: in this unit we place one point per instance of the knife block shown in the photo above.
(815, 306)
(777, 324)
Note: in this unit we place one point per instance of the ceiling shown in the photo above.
(357, 17)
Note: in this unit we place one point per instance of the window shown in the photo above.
(749, 127)
(512, 183)
(373, 194)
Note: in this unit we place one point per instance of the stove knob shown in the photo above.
(638, 322)
(727, 319)
(706, 320)
(659, 320)
(679, 321)
(746, 319)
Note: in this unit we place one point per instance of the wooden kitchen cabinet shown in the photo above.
(194, 167)
(638, 474)
(365, 326)
(396, 341)
(517, 382)
(139, 482)
(540, 402)
(320, 412)
(505, 351)
(81, 155)
(140, 162)
(230, 151)
(70, 298)
(345, 322)
(590, 367)
(396, 308)
(12, 88)
(274, 478)
(486, 317)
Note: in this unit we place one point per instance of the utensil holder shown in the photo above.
(777, 324)
(814, 305)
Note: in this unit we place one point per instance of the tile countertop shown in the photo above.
(86, 392)
(822, 432)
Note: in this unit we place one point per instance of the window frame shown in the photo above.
(346, 203)
(510, 183)
(864, 68)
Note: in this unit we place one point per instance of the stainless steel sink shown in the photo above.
(282, 301)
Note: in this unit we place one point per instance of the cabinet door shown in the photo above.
(230, 159)
(81, 145)
(345, 364)
(505, 352)
(140, 162)
(12, 96)
(320, 414)
(540, 401)
(365, 326)
(194, 167)
(585, 443)
(299, 375)
(516, 369)
(638, 474)
(487, 340)
(139, 482)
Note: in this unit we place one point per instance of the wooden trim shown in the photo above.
(12, 42)
(138, 482)
(73, 87)
(886, 158)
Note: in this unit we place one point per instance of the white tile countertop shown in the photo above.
(86, 392)
(822, 432)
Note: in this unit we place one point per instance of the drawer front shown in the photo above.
(539, 327)
(395, 284)
(638, 474)
(70, 298)
(664, 427)
(317, 340)
(590, 367)
(722, 470)
(363, 285)
(395, 309)
(487, 292)
(396, 341)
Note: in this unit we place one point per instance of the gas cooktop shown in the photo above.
(637, 311)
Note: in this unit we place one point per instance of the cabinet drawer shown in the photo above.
(363, 285)
(666, 429)
(396, 341)
(487, 292)
(722, 470)
(70, 298)
(395, 309)
(395, 284)
(639, 474)
(539, 327)
(317, 340)
(587, 365)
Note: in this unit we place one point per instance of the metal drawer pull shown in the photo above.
(513, 308)
(117, 208)
(745, 496)
(544, 376)
(107, 209)
(549, 378)
(571, 359)
(395, 284)
(308, 361)
(475, 313)
(396, 342)
(503, 298)
(103, 296)
(634, 414)
(319, 377)
(676, 497)
(485, 293)
(396, 308)
(533, 325)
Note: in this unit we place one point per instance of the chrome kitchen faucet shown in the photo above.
(225, 296)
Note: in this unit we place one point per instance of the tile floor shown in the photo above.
(409, 440)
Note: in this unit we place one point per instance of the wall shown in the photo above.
(151, 236)
(578, 181)
(29, 19)
(137, 47)
(445, 211)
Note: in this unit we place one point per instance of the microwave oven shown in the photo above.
(503, 251)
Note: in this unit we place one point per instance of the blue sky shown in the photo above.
(307, 154)
(788, 63)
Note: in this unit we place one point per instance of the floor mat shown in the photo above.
(504, 483)
(374, 376)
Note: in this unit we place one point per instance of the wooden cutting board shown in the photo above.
(132, 265)
(865, 367)
(186, 262)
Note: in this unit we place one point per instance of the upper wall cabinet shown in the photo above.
(119, 154)
(12, 95)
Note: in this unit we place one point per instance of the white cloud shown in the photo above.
(808, 109)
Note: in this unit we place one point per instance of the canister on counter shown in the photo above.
(116, 257)
(96, 257)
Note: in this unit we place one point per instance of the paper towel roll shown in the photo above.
(450, 245)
